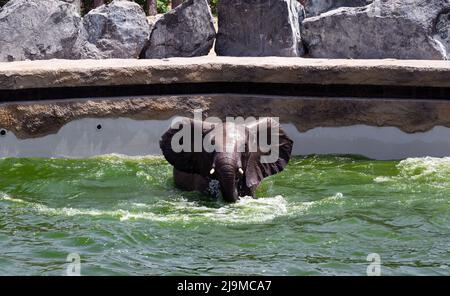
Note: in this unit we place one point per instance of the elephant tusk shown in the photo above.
(211, 171)
(241, 171)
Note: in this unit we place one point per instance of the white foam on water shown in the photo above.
(422, 167)
(247, 210)
(6, 197)
(300, 208)
(334, 199)
(431, 170)
(337, 196)
(382, 179)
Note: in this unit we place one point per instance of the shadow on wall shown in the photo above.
(91, 137)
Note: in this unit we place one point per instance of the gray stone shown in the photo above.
(259, 28)
(116, 30)
(77, 4)
(316, 7)
(36, 30)
(209, 69)
(402, 29)
(185, 31)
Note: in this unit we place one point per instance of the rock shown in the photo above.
(402, 29)
(77, 4)
(152, 19)
(36, 30)
(259, 28)
(38, 119)
(116, 30)
(185, 31)
(222, 70)
(316, 7)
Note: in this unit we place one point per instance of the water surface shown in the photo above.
(322, 216)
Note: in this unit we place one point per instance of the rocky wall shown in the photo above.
(349, 29)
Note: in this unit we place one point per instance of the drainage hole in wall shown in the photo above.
(99, 127)
(2, 132)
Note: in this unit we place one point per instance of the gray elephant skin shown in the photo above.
(238, 173)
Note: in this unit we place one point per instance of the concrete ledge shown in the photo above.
(38, 119)
(80, 73)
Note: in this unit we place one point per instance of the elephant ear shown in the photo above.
(257, 169)
(187, 160)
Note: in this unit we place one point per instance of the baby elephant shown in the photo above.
(238, 156)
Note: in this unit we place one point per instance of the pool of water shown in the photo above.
(323, 216)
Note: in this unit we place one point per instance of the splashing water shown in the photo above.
(322, 215)
(247, 210)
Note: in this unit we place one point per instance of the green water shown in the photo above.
(322, 216)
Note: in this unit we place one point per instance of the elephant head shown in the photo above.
(234, 156)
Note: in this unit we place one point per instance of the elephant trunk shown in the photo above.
(229, 190)
(227, 179)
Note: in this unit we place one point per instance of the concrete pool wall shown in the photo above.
(382, 109)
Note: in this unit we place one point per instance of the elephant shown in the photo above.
(237, 168)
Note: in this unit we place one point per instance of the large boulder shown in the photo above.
(185, 31)
(36, 30)
(402, 29)
(116, 30)
(259, 28)
(316, 7)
